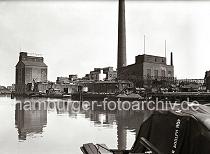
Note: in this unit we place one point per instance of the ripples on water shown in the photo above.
(63, 131)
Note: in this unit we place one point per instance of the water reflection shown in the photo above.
(33, 122)
(29, 122)
(125, 121)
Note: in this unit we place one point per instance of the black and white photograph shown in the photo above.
(104, 76)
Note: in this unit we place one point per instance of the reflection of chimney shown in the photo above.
(121, 57)
(121, 131)
(171, 59)
(121, 136)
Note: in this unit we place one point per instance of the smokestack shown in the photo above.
(22, 55)
(121, 56)
(171, 59)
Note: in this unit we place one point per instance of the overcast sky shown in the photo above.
(74, 37)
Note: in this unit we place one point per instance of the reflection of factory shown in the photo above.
(125, 120)
(29, 121)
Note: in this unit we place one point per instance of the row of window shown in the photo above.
(156, 73)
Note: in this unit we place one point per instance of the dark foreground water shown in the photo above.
(62, 131)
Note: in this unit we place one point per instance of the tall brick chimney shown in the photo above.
(121, 56)
(171, 58)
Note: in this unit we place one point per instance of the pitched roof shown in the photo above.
(32, 63)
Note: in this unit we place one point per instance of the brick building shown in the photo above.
(67, 80)
(63, 80)
(106, 73)
(147, 68)
(29, 69)
(73, 77)
(106, 86)
(66, 88)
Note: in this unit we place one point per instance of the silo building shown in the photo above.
(29, 70)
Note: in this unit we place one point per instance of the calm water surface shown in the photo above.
(63, 131)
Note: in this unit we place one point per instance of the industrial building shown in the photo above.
(101, 74)
(29, 70)
(67, 80)
(110, 87)
(73, 77)
(146, 69)
(62, 80)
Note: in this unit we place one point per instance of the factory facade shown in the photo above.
(147, 68)
(29, 70)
